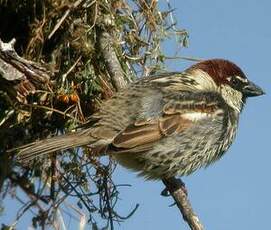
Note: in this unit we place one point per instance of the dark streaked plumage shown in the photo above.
(166, 125)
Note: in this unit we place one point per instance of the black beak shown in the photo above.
(252, 90)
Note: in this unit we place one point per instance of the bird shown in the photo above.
(165, 125)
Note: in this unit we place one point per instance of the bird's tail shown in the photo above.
(39, 148)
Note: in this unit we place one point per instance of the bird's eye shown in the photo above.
(234, 81)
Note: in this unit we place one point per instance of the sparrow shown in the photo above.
(165, 125)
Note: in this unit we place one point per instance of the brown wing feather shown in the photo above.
(135, 135)
(150, 131)
(142, 134)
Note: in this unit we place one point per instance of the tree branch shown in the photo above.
(22, 67)
(112, 63)
(179, 194)
(18, 76)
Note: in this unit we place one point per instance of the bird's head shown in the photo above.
(227, 78)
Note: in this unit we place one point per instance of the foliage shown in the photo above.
(63, 35)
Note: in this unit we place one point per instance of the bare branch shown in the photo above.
(68, 11)
(179, 194)
(28, 68)
(23, 76)
(113, 66)
(27, 187)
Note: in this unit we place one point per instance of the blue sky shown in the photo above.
(235, 192)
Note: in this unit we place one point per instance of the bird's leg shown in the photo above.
(165, 192)
(173, 184)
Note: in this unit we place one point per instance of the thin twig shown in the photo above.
(25, 185)
(179, 194)
(95, 14)
(64, 76)
(185, 58)
(66, 14)
(54, 110)
(108, 204)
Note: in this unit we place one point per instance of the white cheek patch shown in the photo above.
(232, 97)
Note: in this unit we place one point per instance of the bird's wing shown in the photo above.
(177, 117)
